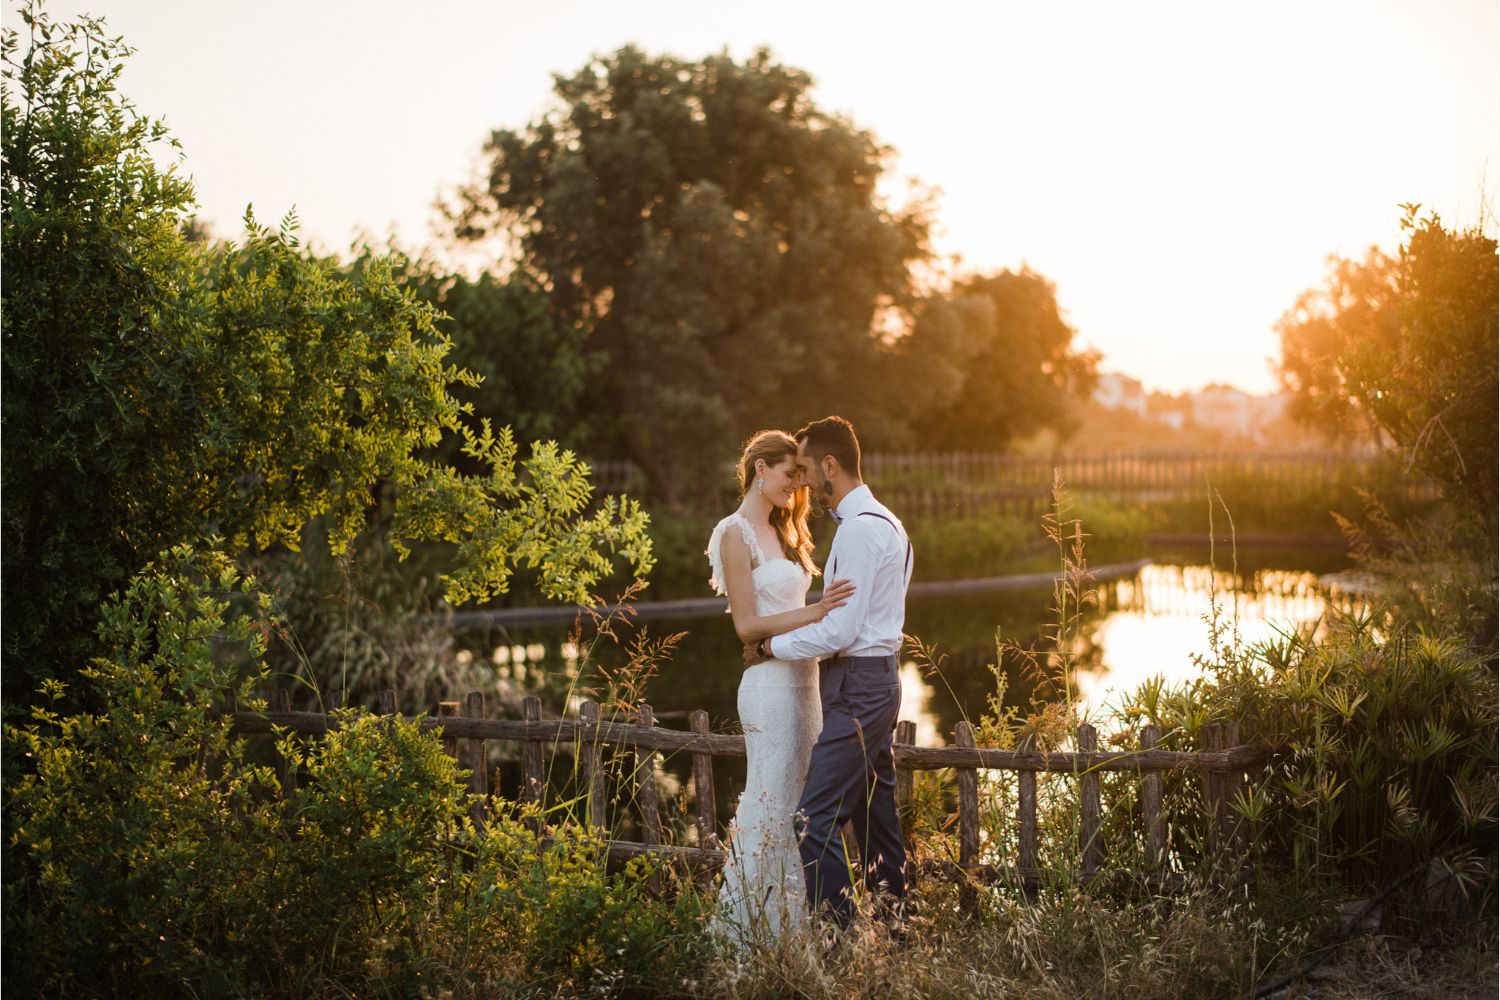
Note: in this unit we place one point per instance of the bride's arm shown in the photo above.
(737, 581)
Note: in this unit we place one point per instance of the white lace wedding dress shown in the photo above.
(764, 893)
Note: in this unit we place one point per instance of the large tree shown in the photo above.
(1001, 362)
(1407, 347)
(158, 391)
(534, 370)
(720, 235)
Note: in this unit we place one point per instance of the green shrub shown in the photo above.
(130, 828)
(1383, 742)
(147, 855)
(969, 546)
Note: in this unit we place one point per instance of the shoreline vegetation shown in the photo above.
(249, 471)
(378, 845)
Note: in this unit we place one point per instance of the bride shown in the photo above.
(761, 556)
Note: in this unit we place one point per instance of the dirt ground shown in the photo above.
(1386, 966)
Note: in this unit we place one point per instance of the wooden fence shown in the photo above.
(939, 485)
(1221, 763)
(1125, 472)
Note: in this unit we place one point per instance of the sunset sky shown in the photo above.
(1180, 169)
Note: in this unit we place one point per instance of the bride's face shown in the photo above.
(783, 480)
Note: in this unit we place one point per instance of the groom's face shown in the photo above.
(812, 474)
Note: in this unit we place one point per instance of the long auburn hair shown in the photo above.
(789, 523)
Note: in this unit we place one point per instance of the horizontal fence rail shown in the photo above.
(1220, 761)
(709, 607)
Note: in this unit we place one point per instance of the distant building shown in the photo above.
(1225, 408)
(1120, 392)
(1231, 412)
(1168, 409)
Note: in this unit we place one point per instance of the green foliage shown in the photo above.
(534, 370)
(1384, 740)
(148, 854)
(1287, 504)
(91, 252)
(567, 922)
(368, 844)
(169, 391)
(718, 234)
(678, 541)
(129, 828)
(969, 546)
(1409, 345)
(1003, 362)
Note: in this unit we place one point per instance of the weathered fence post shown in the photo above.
(1210, 738)
(1088, 805)
(968, 801)
(447, 710)
(645, 781)
(590, 756)
(387, 704)
(476, 759)
(1236, 835)
(645, 795)
(533, 775)
(1026, 807)
(906, 735)
(1156, 831)
(703, 785)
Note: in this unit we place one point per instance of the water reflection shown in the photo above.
(1147, 626)
(1151, 625)
(1162, 622)
(915, 698)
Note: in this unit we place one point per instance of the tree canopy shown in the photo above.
(1006, 362)
(720, 236)
(1406, 347)
(159, 391)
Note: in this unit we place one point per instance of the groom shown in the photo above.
(853, 774)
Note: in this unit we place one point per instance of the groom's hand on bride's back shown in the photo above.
(752, 654)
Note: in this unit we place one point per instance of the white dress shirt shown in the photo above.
(875, 555)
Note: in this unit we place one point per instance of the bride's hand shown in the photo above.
(835, 595)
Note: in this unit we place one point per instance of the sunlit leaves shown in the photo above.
(167, 391)
(1406, 348)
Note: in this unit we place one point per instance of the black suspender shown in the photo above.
(870, 513)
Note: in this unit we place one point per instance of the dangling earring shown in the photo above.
(760, 486)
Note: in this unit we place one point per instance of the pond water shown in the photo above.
(1161, 622)
(1154, 623)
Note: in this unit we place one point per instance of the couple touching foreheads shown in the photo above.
(820, 691)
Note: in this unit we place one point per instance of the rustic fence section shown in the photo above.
(1220, 761)
(924, 484)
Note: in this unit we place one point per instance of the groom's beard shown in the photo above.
(821, 505)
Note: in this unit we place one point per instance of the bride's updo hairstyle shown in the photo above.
(790, 523)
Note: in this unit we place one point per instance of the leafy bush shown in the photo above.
(131, 829)
(952, 548)
(148, 854)
(1384, 741)
(170, 391)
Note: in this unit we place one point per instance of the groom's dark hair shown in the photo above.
(832, 436)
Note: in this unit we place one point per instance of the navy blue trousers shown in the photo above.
(853, 777)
